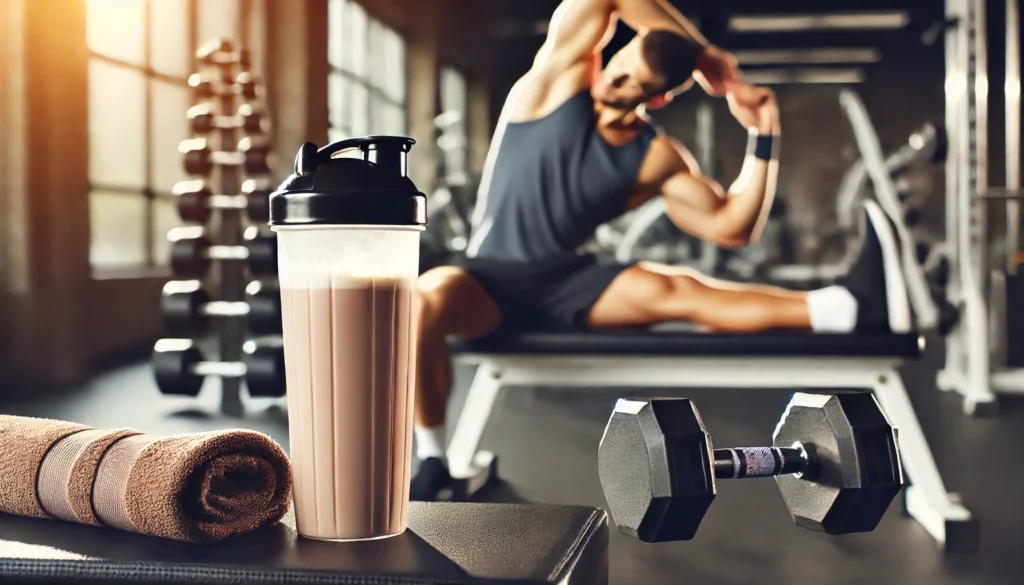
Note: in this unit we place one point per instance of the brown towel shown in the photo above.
(198, 488)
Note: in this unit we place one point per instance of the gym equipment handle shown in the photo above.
(223, 369)
(742, 462)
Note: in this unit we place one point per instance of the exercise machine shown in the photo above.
(982, 350)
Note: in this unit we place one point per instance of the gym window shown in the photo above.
(366, 83)
(454, 135)
(141, 53)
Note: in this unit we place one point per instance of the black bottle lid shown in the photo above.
(372, 190)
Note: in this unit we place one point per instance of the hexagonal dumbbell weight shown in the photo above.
(180, 368)
(203, 120)
(835, 458)
(196, 200)
(186, 308)
(192, 252)
(200, 159)
(246, 85)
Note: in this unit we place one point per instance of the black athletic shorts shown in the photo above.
(550, 294)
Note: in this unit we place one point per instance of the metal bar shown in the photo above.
(1012, 91)
(809, 56)
(876, 20)
(1001, 194)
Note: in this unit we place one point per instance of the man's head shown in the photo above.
(650, 69)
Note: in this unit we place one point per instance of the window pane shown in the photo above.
(358, 122)
(377, 61)
(453, 91)
(165, 217)
(169, 50)
(117, 224)
(387, 118)
(337, 100)
(258, 36)
(169, 127)
(218, 19)
(336, 134)
(116, 28)
(395, 66)
(336, 32)
(354, 21)
(117, 126)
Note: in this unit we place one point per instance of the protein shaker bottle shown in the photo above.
(348, 233)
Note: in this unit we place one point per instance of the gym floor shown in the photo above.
(546, 442)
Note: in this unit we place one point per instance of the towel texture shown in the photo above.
(197, 488)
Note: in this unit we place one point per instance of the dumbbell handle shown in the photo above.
(227, 202)
(224, 308)
(741, 462)
(222, 369)
(231, 158)
(227, 253)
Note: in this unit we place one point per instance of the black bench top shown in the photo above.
(665, 343)
(446, 543)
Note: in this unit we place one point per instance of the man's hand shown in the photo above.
(754, 107)
(717, 71)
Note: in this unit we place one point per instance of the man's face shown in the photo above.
(627, 81)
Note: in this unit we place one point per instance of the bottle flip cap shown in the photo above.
(372, 190)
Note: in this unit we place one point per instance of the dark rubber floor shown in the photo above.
(546, 441)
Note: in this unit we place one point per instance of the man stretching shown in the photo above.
(574, 150)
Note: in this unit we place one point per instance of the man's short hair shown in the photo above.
(671, 56)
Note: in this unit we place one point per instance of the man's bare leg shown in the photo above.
(451, 303)
(651, 293)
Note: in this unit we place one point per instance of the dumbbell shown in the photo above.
(835, 459)
(186, 308)
(246, 84)
(200, 158)
(196, 200)
(222, 52)
(192, 252)
(203, 121)
(179, 367)
(911, 217)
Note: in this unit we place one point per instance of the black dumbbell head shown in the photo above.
(258, 202)
(188, 256)
(655, 467)
(264, 300)
(257, 156)
(193, 198)
(858, 472)
(172, 362)
(180, 307)
(264, 362)
(262, 252)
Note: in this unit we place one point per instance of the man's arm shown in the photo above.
(698, 205)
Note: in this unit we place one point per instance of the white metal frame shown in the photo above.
(927, 499)
(969, 368)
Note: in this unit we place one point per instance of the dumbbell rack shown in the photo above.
(223, 87)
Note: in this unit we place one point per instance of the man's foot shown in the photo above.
(432, 481)
(876, 279)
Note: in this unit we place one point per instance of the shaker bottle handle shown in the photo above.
(309, 158)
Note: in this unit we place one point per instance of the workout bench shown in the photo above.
(698, 360)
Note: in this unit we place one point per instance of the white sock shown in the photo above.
(429, 442)
(832, 310)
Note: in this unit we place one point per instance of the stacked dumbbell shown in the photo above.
(230, 160)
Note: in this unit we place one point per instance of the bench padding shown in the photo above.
(668, 344)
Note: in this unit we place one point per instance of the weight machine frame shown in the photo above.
(969, 366)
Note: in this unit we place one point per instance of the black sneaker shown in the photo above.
(432, 481)
(876, 279)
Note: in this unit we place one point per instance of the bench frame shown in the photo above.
(927, 500)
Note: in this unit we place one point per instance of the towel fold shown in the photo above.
(199, 487)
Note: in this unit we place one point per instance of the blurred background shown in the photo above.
(94, 95)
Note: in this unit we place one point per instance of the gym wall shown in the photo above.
(60, 322)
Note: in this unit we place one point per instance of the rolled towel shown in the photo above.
(198, 487)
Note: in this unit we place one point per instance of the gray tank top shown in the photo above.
(552, 183)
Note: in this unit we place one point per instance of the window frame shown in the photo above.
(375, 93)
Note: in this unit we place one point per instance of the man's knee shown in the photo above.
(674, 296)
